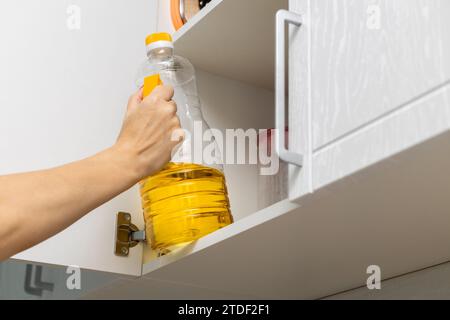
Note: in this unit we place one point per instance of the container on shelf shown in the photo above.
(271, 188)
(181, 11)
(188, 199)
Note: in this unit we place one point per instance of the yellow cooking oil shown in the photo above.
(182, 203)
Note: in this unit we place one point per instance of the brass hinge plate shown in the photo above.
(127, 234)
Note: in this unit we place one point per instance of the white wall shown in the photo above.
(63, 94)
(61, 88)
(164, 18)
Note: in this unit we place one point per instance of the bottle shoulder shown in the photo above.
(175, 71)
(184, 61)
(176, 62)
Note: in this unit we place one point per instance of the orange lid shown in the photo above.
(150, 83)
(154, 37)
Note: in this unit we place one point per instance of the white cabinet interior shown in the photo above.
(234, 39)
(229, 104)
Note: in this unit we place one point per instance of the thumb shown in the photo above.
(161, 92)
(135, 100)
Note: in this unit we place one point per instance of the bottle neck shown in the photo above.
(160, 54)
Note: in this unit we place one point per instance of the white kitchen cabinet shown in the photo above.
(360, 199)
(356, 65)
(371, 123)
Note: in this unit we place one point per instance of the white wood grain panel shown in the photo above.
(369, 57)
(63, 96)
(300, 112)
(414, 123)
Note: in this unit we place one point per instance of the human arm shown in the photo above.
(36, 205)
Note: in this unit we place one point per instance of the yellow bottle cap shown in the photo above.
(150, 83)
(155, 37)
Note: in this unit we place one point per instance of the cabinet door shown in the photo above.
(67, 72)
(356, 62)
(371, 57)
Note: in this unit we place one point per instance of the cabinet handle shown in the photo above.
(283, 17)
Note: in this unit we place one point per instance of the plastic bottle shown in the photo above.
(187, 199)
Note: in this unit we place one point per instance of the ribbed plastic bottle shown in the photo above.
(187, 199)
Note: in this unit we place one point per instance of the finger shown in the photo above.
(135, 100)
(176, 122)
(140, 92)
(161, 93)
(177, 136)
(171, 107)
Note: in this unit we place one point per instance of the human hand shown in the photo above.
(150, 131)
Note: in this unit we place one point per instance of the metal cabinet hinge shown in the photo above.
(127, 234)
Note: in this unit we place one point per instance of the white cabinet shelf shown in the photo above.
(211, 241)
(233, 39)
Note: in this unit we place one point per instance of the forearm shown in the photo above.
(36, 205)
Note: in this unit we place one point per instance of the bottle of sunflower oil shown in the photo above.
(187, 199)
